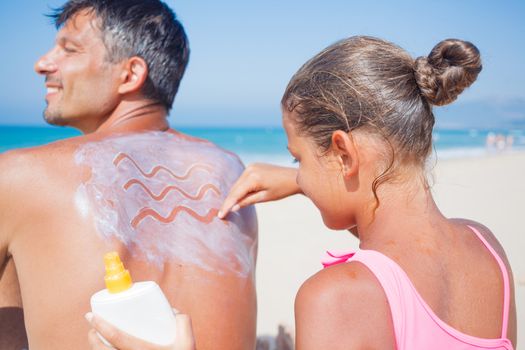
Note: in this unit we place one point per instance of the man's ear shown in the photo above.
(133, 76)
(345, 150)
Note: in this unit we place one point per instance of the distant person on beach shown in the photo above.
(490, 141)
(129, 184)
(499, 142)
(359, 121)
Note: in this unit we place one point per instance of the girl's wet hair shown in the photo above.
(370, 84)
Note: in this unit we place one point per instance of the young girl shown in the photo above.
(359, 120)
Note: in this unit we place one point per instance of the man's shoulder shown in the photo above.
(27, 178)
(206, 146)
(21, 156)
(24, 165)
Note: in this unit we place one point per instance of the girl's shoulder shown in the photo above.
(350, 277)
(486, 233)
(496, 246)
(343, 305)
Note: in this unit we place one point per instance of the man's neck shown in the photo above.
(133, 116)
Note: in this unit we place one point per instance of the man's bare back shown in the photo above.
(151, 196)
(129, 184)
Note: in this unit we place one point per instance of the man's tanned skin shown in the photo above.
(51, 252)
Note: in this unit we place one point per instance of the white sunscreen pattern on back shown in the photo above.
(159, 194)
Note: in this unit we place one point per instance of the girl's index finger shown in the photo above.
(230, 203)
(239, 190)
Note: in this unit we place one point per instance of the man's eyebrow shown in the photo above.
(66, 39)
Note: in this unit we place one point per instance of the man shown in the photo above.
(129, 184)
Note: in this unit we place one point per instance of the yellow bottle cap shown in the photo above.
(117, 277)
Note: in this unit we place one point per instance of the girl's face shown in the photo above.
(320, 178)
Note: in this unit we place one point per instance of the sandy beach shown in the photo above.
(292, 238)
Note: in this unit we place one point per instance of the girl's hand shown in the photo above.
(123, 341)
(260, 183)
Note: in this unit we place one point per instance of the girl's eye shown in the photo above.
(295, 161)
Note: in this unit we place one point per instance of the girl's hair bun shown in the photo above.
(451, 67)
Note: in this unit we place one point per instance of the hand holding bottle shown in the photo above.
(258, 183)
(123, 341)
(136, 315)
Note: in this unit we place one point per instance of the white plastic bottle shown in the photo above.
(140, 309)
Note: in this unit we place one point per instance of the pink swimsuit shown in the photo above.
(415, 324)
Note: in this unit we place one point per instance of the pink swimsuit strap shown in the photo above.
(506, 283)
(412, 317)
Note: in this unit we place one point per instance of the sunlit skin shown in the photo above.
(56, 249)
(72, 67)
(78, 72)
(344, 306)
(339, 183)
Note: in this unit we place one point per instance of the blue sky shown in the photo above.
(244, 52)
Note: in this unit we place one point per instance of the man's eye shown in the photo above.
(69, 49)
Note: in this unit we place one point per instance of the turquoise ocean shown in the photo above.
(269, 144)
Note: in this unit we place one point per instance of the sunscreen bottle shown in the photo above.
(140, 309)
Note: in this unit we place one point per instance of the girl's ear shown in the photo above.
(133, 76)
(345, 150)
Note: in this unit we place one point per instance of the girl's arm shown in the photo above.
(260, 183)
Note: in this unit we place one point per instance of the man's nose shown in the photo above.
(46, 64)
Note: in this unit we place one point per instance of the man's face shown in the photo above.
(81, 83)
